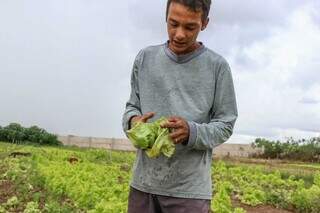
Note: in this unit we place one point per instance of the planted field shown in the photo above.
(70, 179)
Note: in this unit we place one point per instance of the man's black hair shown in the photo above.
(194, 5)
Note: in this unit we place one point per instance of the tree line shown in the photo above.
(291, 149)
(15, 133)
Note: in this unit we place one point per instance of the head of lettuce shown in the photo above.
(152, 138)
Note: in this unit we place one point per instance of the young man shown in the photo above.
(192, 86)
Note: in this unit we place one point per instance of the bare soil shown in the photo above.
(6, 190)
(259, 208)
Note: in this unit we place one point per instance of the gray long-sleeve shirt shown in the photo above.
(197, 87)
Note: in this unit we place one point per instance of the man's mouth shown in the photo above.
(179, 44)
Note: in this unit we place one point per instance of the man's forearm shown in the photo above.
(208, 136)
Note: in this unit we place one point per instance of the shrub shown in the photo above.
(304, 150)
(15, 133)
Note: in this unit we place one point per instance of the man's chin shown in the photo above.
(179, 49)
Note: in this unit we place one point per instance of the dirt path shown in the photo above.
(259, 209)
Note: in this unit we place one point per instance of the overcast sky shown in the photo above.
(65, 64)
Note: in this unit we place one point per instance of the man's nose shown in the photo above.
(180, 34)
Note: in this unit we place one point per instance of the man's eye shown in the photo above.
(190, 28)
(173, 25)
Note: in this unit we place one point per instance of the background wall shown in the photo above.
(227, 149)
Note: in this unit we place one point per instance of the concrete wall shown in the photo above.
(107, 143)
(233, 150)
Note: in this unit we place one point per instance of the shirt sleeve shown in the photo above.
(133, 106)
(223, 115)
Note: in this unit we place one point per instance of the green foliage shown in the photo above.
(316, 179)
(152, 137)
(52, 206)
(15, 133)
(307, 200)
(252, 186)
(99, 182)
(253, 196)
(32, 207)
(1, 135)
(12, 202)
(221, 202)
(239, 210)
(26, 183)
(142, 135)
(304, 150)
(2, 209)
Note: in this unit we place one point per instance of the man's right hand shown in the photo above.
(143, 118)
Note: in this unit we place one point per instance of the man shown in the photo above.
(192, 86)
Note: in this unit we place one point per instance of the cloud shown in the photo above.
(284, 134)
(306, 100)
(65, 66)
(238, 24)
(147, 23)
(253, 12)
(241, 139)
(282, 70)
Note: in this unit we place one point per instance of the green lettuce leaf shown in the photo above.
(142, 135)
(152, 137)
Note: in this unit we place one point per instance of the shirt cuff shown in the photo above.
(192, 134)
(129, 116)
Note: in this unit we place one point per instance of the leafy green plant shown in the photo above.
(152, 137)
(99, 182)
(221, 202)
(2, 209)
(32, 207)
(12, 202)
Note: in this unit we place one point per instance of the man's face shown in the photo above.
(183, 25)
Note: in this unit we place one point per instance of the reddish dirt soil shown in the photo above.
(6, 191)
(259, 209)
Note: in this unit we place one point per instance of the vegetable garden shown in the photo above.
(69, 179)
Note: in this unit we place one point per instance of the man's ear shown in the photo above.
(204, 24)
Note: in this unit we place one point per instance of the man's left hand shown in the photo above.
(179, 129)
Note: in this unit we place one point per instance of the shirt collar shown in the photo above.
(184, 57)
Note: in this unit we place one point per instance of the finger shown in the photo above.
(173, 125)
(180, 139)
(178, 120)
(176, 134)
(134, 119)
(147, 116)
(173, 119)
